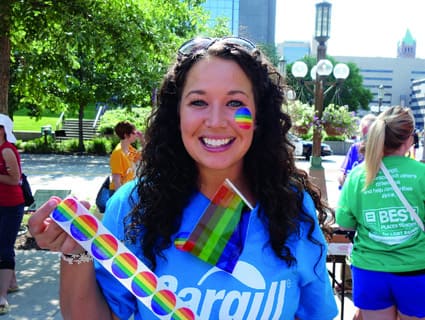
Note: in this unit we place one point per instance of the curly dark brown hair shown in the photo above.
(168, 176)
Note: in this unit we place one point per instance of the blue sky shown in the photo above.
(369, 28)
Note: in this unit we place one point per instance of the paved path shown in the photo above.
(82, 174)
(37, 271)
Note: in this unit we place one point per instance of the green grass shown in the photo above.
(22, 122)
(25, 123)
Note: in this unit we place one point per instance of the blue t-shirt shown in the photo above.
(352, 159)
(261, 285)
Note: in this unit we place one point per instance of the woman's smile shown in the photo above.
(212, 132)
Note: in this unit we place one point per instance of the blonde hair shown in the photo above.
(390, 130)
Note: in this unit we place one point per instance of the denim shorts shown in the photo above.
(10, 221)
(374, 290)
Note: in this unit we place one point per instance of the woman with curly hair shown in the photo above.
(218, 117)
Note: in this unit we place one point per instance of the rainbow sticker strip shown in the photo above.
(218, 237)
(90, 233)
(243, 118)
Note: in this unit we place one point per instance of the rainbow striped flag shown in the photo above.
(218, 237)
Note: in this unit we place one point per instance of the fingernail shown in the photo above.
(53, 202)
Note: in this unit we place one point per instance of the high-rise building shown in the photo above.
(292, 51)
(417, 102)
(252, 19)
(228, 9)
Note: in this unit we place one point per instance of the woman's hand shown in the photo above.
(48, 234)
(141, 137)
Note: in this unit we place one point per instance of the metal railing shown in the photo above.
(99, 114)
(60, 121)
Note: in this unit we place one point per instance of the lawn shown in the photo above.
(22, 122)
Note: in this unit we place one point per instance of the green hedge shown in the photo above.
(101, 145)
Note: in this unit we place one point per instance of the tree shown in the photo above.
(67, 54)
(351, 92)
(4, 54)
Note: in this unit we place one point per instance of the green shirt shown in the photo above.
(387, 237)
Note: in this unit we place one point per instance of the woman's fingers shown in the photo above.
(48, 234)
(40, 220)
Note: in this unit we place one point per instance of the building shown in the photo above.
(294, 50)
(407, 47)
(403, 77)
(252, 19)
(395, 74)
(417, 102)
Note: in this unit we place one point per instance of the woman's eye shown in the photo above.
(198, 103)
(235, 103)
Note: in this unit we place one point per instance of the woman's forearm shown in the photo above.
(80, 296)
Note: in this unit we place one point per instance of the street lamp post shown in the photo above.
(380, 97)
(322, 30)
(282, 64)
(319, 73)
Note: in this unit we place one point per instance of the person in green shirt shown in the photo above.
(388, 257)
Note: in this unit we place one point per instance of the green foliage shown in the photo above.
(72, 53)
(137, 116)
(99, 146)
(69, 54)
(72, 145)
(302, 116)
(335, 138)
(271, 52)
(337, 117)
(220, 29)
(40, 145)
(341, 118)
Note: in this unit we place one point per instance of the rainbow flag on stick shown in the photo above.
(219, 235)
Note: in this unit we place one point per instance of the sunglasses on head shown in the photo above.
(195, 44)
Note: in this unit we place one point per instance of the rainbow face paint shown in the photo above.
(133, 274)
(243, 118)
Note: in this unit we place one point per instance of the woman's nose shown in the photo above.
(216, 117)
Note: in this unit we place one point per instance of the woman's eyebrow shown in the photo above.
(198, 91)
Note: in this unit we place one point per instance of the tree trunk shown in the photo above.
(81, 147)
(4, 55)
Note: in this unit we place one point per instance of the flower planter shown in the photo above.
(334, 131)
(300, 130)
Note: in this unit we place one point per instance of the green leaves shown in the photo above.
(90, 50)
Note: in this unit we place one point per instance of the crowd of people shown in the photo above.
(219, 117)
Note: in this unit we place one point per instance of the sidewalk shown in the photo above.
(38, 270)
(38, 298)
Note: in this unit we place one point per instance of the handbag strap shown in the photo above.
(403, 199)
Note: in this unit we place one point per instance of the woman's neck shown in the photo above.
(402, 150)
(124, 145)
(209, 184)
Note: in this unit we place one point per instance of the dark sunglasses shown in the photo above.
(195, 44)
